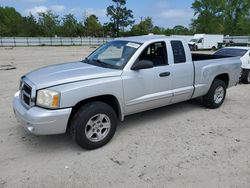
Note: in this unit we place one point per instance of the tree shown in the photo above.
(120, 16)
(180, 30)
(11, 22)
(237, 14)
(49, 23)
(244, 26)
(92, 26)
(143, 28)
(31, 27)
(69, 27)
(158, 30)
(222, 16)
(108, 29)
(210, 16)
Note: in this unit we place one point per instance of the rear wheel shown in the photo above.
(93, 125)
(216, 94)
(245, 78)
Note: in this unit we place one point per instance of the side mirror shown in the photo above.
(143, 64)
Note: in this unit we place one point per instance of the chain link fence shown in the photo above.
(85, 41)
(237, 39)
(52, 41)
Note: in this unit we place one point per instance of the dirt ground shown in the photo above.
(183, 145)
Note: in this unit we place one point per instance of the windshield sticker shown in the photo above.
(133, 45)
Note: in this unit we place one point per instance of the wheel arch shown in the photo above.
(108, 99)
(223, 77)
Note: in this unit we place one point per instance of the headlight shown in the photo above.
(48, 98)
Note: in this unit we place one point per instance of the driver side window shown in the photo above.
(155, 52)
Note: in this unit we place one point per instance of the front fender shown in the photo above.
(72, 93)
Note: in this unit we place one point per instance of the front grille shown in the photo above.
(26, 99)
(27, 89)
(25, 94)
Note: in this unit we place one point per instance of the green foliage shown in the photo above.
(108, 29)
(49, 23)
(69, 27)
(31, 28)
(143, 28)
(181, 30)
(120, 16)
(92, 26)
(228, 17)
(146, 26)
(237, 13)
(11, 22)
(221, 16)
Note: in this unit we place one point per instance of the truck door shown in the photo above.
(148, 88)
(200, 43)
(183, 72)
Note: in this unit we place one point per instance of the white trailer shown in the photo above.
(205, 41)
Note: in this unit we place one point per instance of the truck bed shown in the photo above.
(206, 66)
(201, 57)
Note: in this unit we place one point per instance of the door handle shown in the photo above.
(164, 74)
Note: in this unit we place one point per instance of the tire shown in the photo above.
(216, 94)
(93, 125)
(195, 48)
(245, 78)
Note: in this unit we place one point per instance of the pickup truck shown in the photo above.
(122, 77)
(244, 54)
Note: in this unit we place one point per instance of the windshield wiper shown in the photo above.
(103, 63)
(97, 61)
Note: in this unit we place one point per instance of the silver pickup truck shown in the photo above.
(122, 77)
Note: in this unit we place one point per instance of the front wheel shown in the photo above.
(245, 78)
(93, 125)
(216, 95)
(195, 48)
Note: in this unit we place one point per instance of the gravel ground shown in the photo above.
(183, 145)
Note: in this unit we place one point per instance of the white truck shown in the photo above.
(205, 42)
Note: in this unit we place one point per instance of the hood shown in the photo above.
(191, 43)
(68, 72)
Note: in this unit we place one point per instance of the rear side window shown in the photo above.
(178, 51)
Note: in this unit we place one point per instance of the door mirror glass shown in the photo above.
(143, 64)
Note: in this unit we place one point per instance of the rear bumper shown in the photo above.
(40, 121)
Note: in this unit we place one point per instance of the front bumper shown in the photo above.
(40, 121)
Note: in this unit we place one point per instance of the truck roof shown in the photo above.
(146, 38)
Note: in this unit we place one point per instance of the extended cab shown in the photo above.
(122, 77)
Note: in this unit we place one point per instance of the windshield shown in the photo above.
(231, 52)
(114, 54)
(194, 40)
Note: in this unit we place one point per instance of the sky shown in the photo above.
(165, 13)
